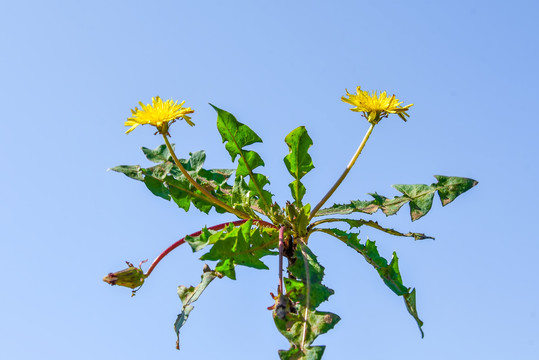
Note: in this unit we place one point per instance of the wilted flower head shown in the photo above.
(131, 277)
(375, 107)
(159, 114)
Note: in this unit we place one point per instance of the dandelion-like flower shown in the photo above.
(159, 114)
(375, 107)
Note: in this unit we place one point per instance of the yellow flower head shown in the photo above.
(159, 114)
(375, 107)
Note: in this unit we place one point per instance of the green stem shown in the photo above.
(345, 172)
(212, 199)
(308, 295)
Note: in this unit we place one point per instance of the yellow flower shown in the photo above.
(159, 114)
(375, 107)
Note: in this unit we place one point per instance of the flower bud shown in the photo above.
(131, 277)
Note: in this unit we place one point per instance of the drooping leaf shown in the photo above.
(298, 161)
(389, 272)
(241, 245)
(356, 223)
(419, 197)
(189, 295)
(236, 136)
(409, 301)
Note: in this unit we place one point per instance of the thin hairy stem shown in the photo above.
(345, 172)
(308, 296)
(212, 199)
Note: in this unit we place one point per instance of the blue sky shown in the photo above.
(70, 73)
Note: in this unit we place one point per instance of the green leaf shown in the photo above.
(451, 187)
(199, 242)
(356, 223)
(189, 295)
(236, 136)
(316, 271)
(158, 155)
(298, 292)
(242, 198)
(167, 181)
(292, 326)
(298, 161)
(418, 196)
(242, 245)
(310, 353)
(157, 187)
(409, 301)
(248, 162)
(389, 272)
(132, 171)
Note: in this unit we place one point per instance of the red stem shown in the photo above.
(216, 227)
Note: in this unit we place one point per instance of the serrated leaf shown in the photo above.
(298, 190)
(356, 223)
(409, 301)
(181, 198)
(199, 242)
(158, 155)
(418, 196)
(166, 180)
(157, 187)
(292, 326)
(389, 272)
(242, 198)
(189, 295)
(196, 161)
(449, 187)
(316, 271)
(241, 245)
(298, 161)
(132, 171)
(309, 353)
(158, 171)
(248, 162)
(298, 292)
(236, 136)
(392, 276)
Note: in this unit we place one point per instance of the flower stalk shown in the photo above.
(345, 172)
(212, 199)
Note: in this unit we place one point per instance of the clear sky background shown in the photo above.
(70, 73)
